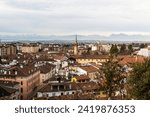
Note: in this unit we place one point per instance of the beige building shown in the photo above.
(98, 59)
(27, 76)
(8, 50)
(30, 48)
(89, 70)
(46, 72)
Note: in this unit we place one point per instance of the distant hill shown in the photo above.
(113, 37)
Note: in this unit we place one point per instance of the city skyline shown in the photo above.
(65, 17)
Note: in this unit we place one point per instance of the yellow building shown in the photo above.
(92, 59)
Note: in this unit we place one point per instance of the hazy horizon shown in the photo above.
(113, 37)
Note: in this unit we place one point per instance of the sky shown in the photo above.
(58, 17)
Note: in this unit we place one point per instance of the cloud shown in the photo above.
(74, 16)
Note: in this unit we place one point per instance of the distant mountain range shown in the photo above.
(113, 37)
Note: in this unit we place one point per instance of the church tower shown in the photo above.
(76, 46)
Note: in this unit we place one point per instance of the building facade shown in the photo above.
(28, 77)
(8, 50)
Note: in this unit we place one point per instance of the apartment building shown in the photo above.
(28, 77)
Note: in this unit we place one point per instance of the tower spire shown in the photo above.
(76, 46)
(76, 38)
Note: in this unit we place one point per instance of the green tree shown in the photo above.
(114, 50)
(113, 74)
(139, 81)
(130, 48)
(123, 49)
(142, 45)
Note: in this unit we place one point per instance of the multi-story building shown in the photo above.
(92, 59)
(28, 76)
(88, 70)
(56, 89)
(8, 50)
(46, 72)
(32, 48)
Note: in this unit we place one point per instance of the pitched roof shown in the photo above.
(88, 86)
(92, 57)
(89, 68)
(8, 83)
(46, 68)
(18, 70)
(5, 91)
(131, 59)
(82, 77)
(48, 87)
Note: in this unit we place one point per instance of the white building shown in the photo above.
(94, 47)
(106, 47)
(56, 89)
(144, 51)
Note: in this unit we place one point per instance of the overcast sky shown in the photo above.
(75, 16)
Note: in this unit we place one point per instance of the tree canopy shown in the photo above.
(123, 49)
(130, 48)
(113, 74)
(139, 81)
(114, 49)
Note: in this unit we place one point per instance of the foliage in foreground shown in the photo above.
(139, 81)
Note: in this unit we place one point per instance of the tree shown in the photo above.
(130, 48)
(142, 45)
(139, 81)
(123, 49)
(114, 50)
(113, 74)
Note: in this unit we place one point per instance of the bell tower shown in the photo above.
(76, 46)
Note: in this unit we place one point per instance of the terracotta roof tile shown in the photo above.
(131, 59)
(89, 68)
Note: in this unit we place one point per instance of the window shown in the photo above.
(21, 90)
(21, 83)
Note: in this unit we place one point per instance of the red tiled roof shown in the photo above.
(46, 68)
(82, 77)
(131, 59)
(92, 57)
(89, 68)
